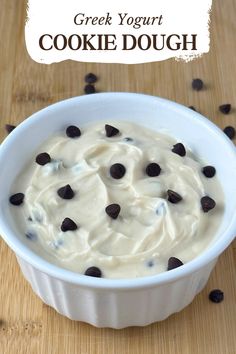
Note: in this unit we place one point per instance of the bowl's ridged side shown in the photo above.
(116, 308)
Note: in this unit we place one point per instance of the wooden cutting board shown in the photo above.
(28, 326)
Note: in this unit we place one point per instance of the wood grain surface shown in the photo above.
(27, 326)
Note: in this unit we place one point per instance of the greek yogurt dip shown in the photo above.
(117, 200)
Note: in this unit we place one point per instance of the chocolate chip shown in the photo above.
(113, 210)
(9, 128)
(207, 204)
(197, 84)
(90, 78)
(173, 197)
(216, 295)
(193, 108)
(179, 149)
(209, 171)
(17, 199)
(111, 131)
(43, 158)
(31, 235)
(150, 263)
(68, 225)
(73, 132)
(66, 192)
(89, 89)
(117, 170)
(161, 209)
(93, 272)
(128, 139)
(153, 169)
(173, 263)
(57, 244)
(225, 108)
(37, 216)
(229, 131)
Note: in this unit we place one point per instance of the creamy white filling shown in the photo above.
(148, 230)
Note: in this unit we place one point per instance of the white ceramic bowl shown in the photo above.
(129, 302)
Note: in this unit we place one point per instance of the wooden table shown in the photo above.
(27, 325)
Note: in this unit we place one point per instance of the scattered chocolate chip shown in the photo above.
(66, 192)
(113, 210)
(93, 272)
(153, 169)
(43, 158)
(229, 131)
(197, 84)
(173, 197)
(111, 131)
(207, 204)
(193, 108)
(89, 89)
(179, 149)
(73, 132)
(173, 263)
(90, 78)
(216, 295)
(31, 235)
(225, 108)
(17, 199)
(117, 170)
(9, 128)
(68, 225)
(209, 171)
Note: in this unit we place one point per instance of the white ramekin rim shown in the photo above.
(142, 282)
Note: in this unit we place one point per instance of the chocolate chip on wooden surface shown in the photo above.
(9, 128)
(111, 131)
(225, 108)
(43, 158)
(197, 84)
(113, 210)
(17, 199)
(90, 78)
(173, 263)
(216, 295)
(73, 132)
(93, 272)
(88, 89)
(229, 131)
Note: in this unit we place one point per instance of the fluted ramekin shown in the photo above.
(118, 303)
